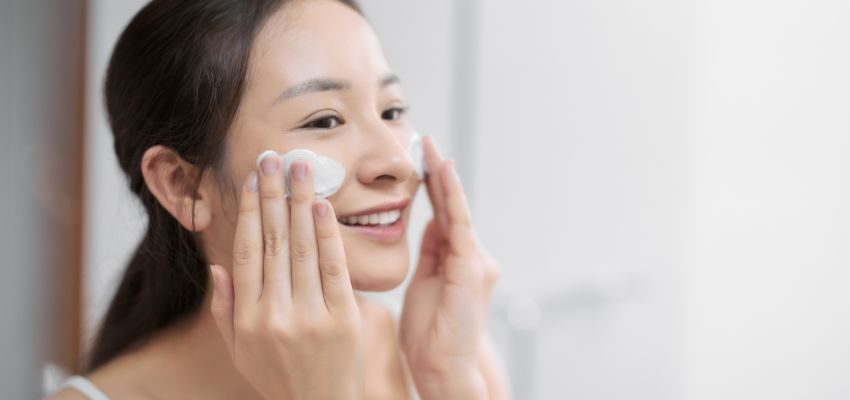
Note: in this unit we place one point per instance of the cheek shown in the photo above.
(373, 266)
(218, 239)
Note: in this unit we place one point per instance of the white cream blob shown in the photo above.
(417, 154)
(328, 174)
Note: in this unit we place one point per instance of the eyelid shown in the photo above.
(402, 108)
(313, 118)
(325, 112)
(328, 113)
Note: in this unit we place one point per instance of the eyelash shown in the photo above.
(315, 124)
(401, 111)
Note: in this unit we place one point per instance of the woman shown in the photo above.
(237, 292)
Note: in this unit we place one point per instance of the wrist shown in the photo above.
(463, 383)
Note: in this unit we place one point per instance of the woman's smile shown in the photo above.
(383, 223)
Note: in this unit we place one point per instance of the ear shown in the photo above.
(172, 181)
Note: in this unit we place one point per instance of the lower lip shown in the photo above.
(380, 233)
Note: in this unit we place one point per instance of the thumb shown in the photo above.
(222, 304)
(429, 253)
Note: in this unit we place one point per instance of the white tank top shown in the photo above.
(84, 386)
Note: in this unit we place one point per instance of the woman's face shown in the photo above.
(318, 80)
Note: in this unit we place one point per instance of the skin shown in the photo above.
(283, 319)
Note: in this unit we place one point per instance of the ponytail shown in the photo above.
(153, 293)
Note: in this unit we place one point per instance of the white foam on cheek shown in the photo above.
(328, 174)
(417, 154)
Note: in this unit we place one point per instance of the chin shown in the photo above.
(377, 267)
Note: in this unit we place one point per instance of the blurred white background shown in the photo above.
(666, 183)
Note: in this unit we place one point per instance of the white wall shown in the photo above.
(579, 141)
(767, 278)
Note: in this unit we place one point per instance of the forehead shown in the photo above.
(309, 39)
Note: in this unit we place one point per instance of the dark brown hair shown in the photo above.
(175, 79)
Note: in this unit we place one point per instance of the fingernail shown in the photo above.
(269, 165)
(251, 182)
(298, 170)
(321, 208)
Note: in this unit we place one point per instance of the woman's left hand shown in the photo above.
(446, 303)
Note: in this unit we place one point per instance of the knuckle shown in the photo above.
(302, 249)
(492, 272)
(247, 207)
(299, 196)
(348, 326)
(492, 269)
(247, 330)
(274, 243)
(325, 232)
(461, 217)
(332, 268)
(271, 192)
(266, 330)
(313, 329)
(462, 275)
(243, 251)
(464, 220)
(278, 328)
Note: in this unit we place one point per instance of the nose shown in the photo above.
(384, 159)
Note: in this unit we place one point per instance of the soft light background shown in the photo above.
(666, 183)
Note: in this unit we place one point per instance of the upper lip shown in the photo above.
(394, 205)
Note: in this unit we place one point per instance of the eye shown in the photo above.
(393, 114)
(326, 122)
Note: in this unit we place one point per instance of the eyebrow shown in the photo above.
(327, 84)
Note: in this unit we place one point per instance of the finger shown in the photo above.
(277, 285)
(247, 249)
(221, 306)
(432, 182)
(461, 237)
(336, 284)
(306, 283)
(429, 251)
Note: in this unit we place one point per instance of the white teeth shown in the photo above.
(388, 217)
(379, 218)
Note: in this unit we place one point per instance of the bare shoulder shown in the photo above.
(117, 379)
(107, 379)
(66, 394)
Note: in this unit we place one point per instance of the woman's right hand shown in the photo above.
(288, 315)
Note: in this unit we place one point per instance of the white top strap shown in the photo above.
(84, 386)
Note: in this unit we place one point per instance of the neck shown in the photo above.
(190, 360)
